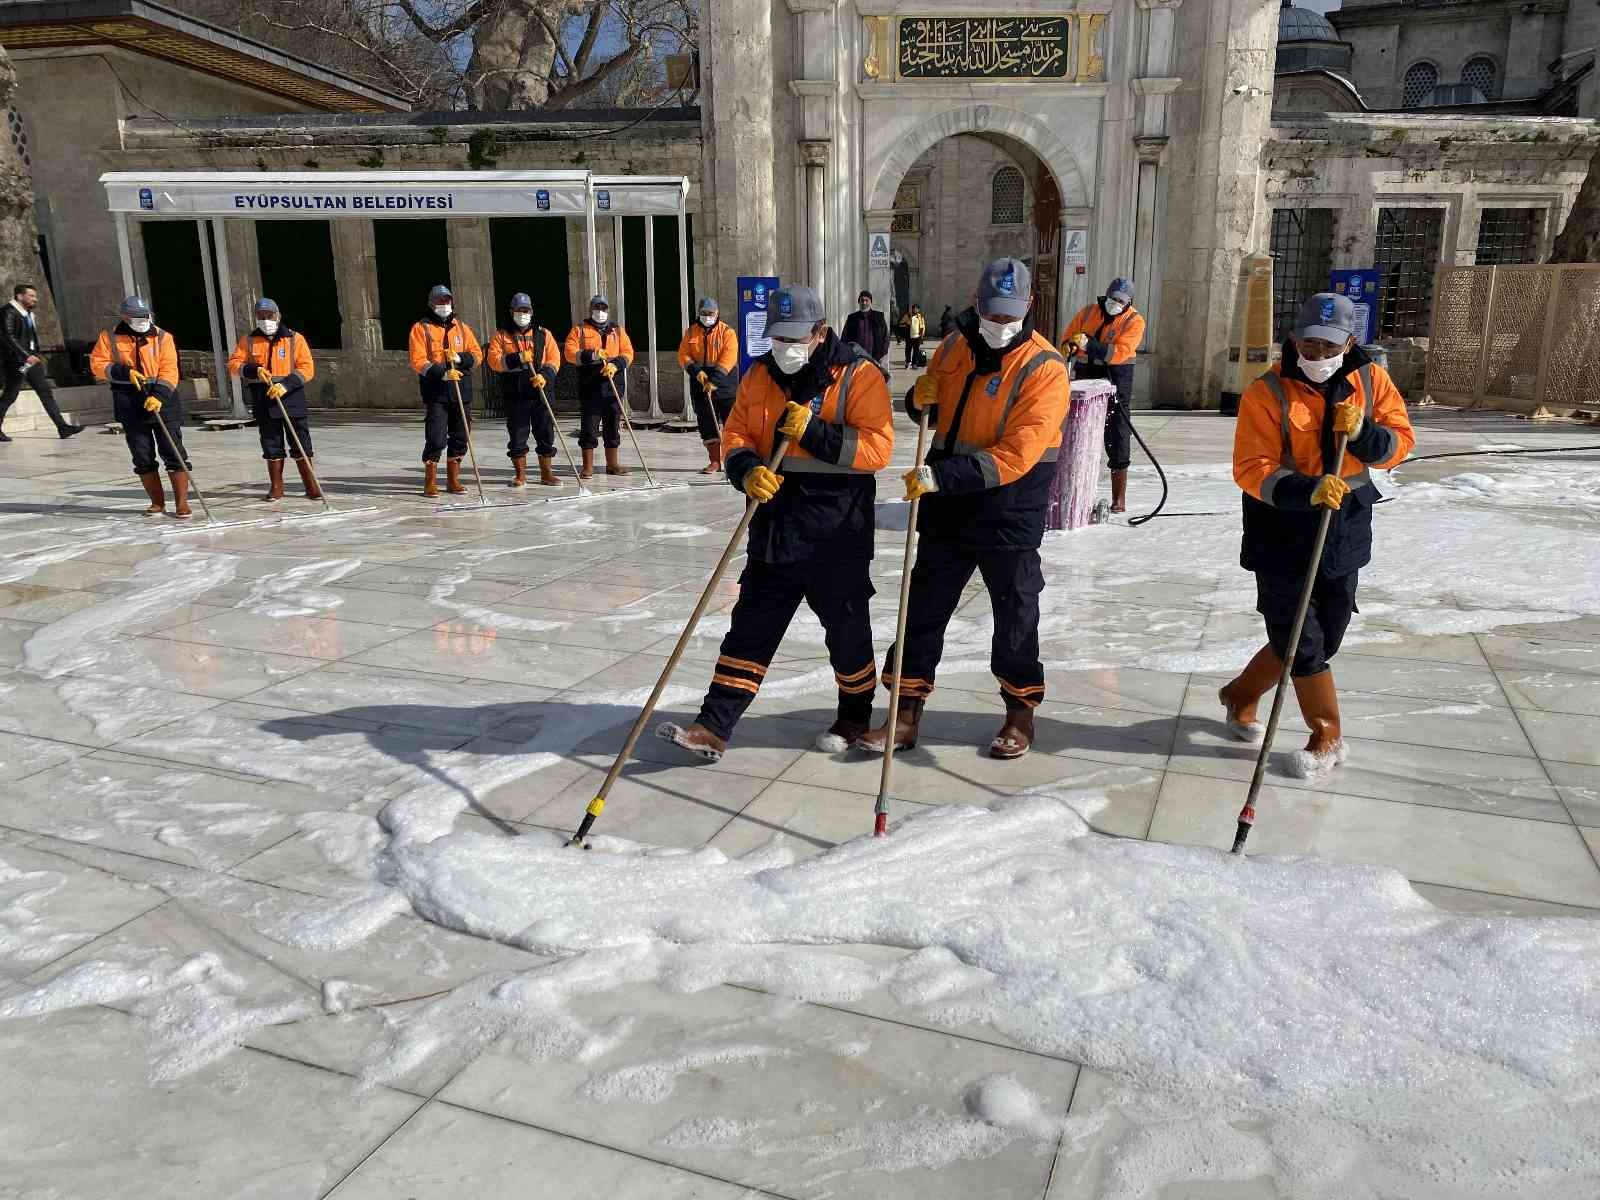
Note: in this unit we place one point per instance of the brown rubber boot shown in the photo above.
(1016, 736)
(521, 464)
(452, 477)
(274, 480)
(1119, 491)
(587, 471)
(696, 739)
(313, 492)
(158, 498)
(180, 494)
(614, 462)
(1240, 696)
(430, 479)
(547, 471)
(1319, 705)
(714, 453)
(908, 719)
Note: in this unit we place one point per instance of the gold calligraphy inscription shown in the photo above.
(984, 48)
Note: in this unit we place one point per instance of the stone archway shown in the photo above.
(978, 118)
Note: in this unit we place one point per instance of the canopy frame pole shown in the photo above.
(683, 283)
(225, 287)
(650, 313)
(219, 352)
(589, 239)
(619, 298)
(125, 254)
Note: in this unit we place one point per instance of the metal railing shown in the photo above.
(1516, 338)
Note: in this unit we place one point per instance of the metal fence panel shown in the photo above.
(1460, 311)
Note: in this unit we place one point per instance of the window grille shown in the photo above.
(1302, 257)
(1507, 236)
(1480, 74)
(1006, 197)
(1407, 255)
(1421, 79)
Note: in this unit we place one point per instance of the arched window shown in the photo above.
(1481, 75)
(1421, 79)
(1005, 197)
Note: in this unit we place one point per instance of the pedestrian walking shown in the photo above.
(21, 363)
(869, 329)
(916, 330)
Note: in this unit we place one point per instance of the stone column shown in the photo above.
(814, 154)
(738, 151)
(472, 273)
(355, 273)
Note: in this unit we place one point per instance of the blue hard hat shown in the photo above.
(440, 292)
(265, 305)
(1120, 289)
(521, 300)
(134, 306)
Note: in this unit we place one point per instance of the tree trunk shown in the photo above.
(1579, 240)
(19, 235)
(512, 57)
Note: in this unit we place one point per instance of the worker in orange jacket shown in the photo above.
(444, 352)
(709, 355)
(1102, 341)
(140, 362)
(526, 358)
(602, 352)
(1001, 393)
(275, 364)
(812, 535)
(1284, 447)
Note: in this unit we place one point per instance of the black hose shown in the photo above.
(1475, 453)
(1161, 503)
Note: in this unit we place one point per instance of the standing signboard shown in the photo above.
(1361, 285)
(753, 340)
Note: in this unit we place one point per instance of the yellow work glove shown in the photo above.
(152, 404)
(1347, 418)
(263, 375)
(608, 370)
(762, 484)
(704, 380)
(452, 375)
(539, 380)
(1330, 492)
(137, 379)
(452, 357)
(795, 419)
(925, 393)
(919, 482)
(526, 356)
(277, 392)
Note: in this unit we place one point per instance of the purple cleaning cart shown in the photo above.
(1072, 491)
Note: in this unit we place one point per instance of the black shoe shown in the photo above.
(66, 431)
(3, 437)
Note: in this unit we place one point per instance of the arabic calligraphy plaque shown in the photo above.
(984, 48)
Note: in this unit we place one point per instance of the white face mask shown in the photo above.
(599, 315)
(709, 322)
(1320, 370)
(522, 320)
(998, 333)
(791, 356)
(1113, 307)
(139, 324)
(267, 327)
(443, 311)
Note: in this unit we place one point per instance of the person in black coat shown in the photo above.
(868, 329)
(21, 362)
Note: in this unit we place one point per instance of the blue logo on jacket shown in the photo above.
(994, 386)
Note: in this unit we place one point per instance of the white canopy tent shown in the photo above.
(218, 196)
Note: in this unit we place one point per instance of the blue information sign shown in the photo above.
(753, 340)
(1361, 285)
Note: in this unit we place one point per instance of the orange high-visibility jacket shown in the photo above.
(290, 358)
(1278, 434)
(506, 345)
(716, 347)
(1010, 419)
(611, 343)
(430, 339)
(865, 423)
(153, 354)
(1120, 334)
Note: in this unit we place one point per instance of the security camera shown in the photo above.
(1248, 91)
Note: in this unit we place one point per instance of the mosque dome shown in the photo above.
(1308, 41)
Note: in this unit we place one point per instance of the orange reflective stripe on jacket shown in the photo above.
(613, 343)
(290, 355)
(857, 400)
(157, 358)
(509, 343)
(1279, 429)
(1121, 333)
(429, 343)
(722, 352)
(1011, 418)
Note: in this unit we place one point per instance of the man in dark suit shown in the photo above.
(21, 362)
(868, 329)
